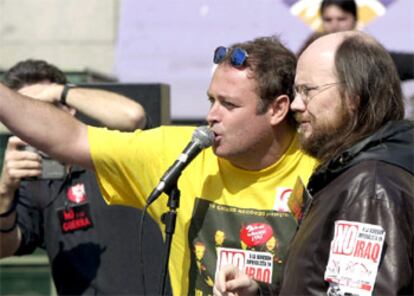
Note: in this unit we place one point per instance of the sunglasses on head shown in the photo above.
(238, 55)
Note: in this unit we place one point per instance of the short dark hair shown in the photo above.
(346, 5)
(370, 79)
(32, 71)
(273, 67)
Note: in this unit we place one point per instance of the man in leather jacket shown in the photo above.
(356, 234)
(356, 230)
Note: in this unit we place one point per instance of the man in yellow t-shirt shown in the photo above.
(239, 186)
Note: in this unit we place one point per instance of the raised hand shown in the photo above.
(230, 281)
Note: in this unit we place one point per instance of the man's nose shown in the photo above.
(213, 113)
(297, 104)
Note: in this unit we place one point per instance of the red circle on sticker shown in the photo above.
(256, 234)
(76, 193)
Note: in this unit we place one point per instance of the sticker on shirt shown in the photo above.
(257, 265)
(74, 218)
(282, 198)
(76, 193)
(299, 201)
(354, 258)
(255, 240)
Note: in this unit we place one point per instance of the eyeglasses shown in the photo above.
(305, 91)
(238, 55)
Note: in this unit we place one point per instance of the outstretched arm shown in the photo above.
(46, 127)
(113, 110)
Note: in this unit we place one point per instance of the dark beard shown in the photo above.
(327, 141)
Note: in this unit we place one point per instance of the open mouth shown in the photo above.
(217, 137)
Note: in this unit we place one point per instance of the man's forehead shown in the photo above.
(321, 46)
(315, 66)
(319, 57)
(234, 84)
(228, 69)
(230, 75)
(326, 43)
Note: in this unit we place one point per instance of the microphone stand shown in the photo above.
(169, 219)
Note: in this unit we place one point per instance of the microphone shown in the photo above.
(202, 138)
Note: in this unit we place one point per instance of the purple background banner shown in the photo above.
(173, 41)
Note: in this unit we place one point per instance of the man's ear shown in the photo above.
(279, 109)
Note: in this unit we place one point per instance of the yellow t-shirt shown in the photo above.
(226, 214)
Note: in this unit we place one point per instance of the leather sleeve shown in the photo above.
(388, 201)
(268, 290)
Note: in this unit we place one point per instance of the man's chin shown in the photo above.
(308, 144)
(216, 149)
(304, 135)
(219, 151)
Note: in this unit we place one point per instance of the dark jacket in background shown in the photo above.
(99, 259)
(404, 61)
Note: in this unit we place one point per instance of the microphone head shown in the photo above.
(204, 136)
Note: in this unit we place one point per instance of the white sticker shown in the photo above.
(354, 258)
(257, 265)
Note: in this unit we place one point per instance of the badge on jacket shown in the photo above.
(354, 258)
(76, 214)
(299, 201)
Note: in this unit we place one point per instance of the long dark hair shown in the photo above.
(370, 80)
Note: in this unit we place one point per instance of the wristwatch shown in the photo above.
(65, 91)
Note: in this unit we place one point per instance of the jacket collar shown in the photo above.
(392, 143)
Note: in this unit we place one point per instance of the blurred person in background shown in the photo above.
(91, 246)
(342, 15)
(338, 15)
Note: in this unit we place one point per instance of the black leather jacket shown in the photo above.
(373, 182)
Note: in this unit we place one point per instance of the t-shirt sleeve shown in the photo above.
(121, 170)
(128, 165)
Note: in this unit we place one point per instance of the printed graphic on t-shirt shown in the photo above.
(299, 201)
(258, 265)
(282, 198)
(254, 240)
(354, 258)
